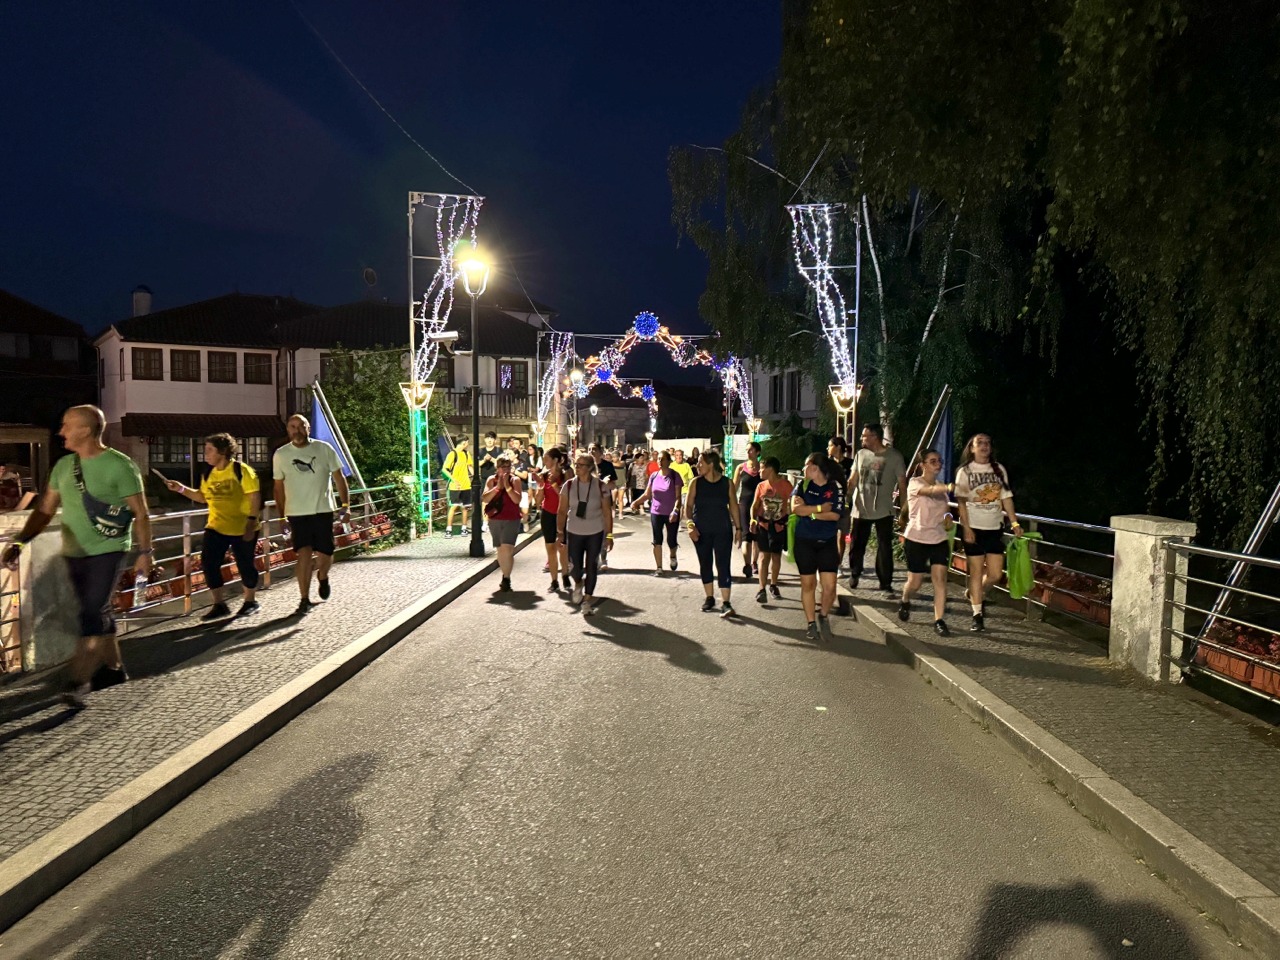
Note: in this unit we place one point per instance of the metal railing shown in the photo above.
(1241, 645)
(1072, 571)
(494, 406)
(10, 620)
(177, 539)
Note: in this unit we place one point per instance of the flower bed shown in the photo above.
(1263, 644)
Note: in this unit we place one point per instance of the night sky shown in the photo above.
(201, 148)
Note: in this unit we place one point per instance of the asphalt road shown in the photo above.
(514, 780)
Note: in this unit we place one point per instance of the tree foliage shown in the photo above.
(1124, 149)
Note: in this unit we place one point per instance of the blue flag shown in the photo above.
(944, 442)
(321, 429)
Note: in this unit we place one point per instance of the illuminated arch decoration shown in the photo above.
(812, 243)
(647, 328)
(456, 218)
(562, 352)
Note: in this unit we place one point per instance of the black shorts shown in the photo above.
(923, 556)
(458, 498)
(94, 581)
(816, 556)
(315, 530)
(770, 540)
(548, 526)
(663, 524)
(984, 542)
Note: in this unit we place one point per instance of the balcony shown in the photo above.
(493, 406)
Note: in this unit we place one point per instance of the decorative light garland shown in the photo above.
(561, 354)
(812, 244)
(454, 221)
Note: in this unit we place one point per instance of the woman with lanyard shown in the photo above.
(984, 499)
(585, 525)
(232, 491)
(746, 477)
(547, 501)
(663, 491)
(713, 528)
(501, 501)
(818, 503)
(925, 524)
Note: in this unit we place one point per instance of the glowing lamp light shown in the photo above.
(474, 269)
(573, 430)
(594, 409)
(576, 376)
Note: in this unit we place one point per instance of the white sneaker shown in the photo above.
(576, 596)
(589, 608)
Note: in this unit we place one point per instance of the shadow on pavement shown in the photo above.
(515, 599)
(1014, 911)
(237, 890)
(157, 653)
(680, 651)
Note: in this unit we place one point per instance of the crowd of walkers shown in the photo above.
(837, 504)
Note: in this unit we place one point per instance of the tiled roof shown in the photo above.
(200, 425)
(366, 324)
(232, 320)
(20, 316)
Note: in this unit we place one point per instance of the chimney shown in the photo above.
(141, 300)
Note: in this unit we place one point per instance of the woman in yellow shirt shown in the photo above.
(233, 495)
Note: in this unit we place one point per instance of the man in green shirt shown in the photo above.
(103, 507)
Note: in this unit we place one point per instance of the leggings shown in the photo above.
(214, 551)
(662, 523)
(715, 545)
(584, 550)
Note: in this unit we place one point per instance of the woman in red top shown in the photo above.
(547, 498)
(501, 499)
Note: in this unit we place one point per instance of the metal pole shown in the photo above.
(857, 319)
(413, 380)
(477, 534)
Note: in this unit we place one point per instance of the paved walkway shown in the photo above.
(1200, 764)
(188, 678)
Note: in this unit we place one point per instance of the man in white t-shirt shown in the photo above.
(306, 474)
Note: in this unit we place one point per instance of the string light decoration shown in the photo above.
(812, 242)
(561, 355)
(646, 325)
(456, 218)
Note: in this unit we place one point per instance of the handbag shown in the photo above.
(110, 520)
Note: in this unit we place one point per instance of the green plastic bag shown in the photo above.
(1017, 565)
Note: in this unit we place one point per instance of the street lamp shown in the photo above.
(475, 278)
(576, 377)
(593, 410)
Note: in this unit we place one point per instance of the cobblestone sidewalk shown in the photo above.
(188, 678)
(1201, 765)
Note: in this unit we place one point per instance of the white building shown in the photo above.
(778, 393)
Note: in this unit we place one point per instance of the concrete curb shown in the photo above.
(1249, 910)
(42, 868)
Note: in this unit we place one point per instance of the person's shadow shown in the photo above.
(608, 624)
(515, 599)
(245, 883)
(1014, 911)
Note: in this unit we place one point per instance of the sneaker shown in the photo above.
(774, 591)
(853, 583)
(761, 596)
(568, 584)
(658, 572)
(248, 607)
(505, 585)
(324, 588)
(708, 604)
(746, 570)
(555, 586)
(941, 629)
(824, 627)
(75, 695)
(578, 591)
(904, 611)
(465, 531)
(674, 563)
(589, 608)
(977, 626)
(603, 566)
(305, 605)
(727, 611)
(448, 534)
(546, 568)
(217, 612)
(811, 633)
(108, 677)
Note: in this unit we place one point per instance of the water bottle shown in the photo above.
(139, 589)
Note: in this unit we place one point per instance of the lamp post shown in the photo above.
(576, 377)
(594, 410)
(475, 278)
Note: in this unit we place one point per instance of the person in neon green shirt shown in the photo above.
(234, 496)
(457, 469)
(682, 468)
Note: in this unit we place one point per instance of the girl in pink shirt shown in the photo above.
(925, 536)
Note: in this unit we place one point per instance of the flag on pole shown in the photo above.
(321, 429)
(945, 443)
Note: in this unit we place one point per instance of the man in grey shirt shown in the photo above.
(877, 471)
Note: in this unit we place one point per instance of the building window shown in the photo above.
(222, 367)
(173, 449)
(122, 364)
(148, 363)
(513, 378)
(15, 345)
(444, 374)
(256, 449)
(339, 369)
(184, 365)
(775, 393)
(793, 390)
(257, 367)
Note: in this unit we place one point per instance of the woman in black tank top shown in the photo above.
(713, 528)
(746, 477)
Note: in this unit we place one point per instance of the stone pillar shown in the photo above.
(1139, 589)
(49, 621)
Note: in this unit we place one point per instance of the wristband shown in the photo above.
(608, 536)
